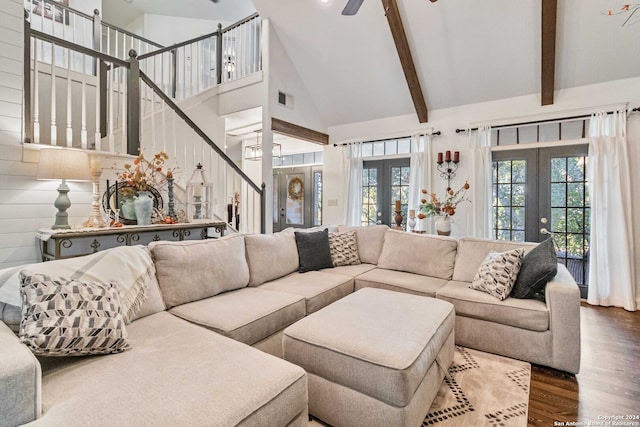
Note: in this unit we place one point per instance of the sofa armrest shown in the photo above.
(563, 301)
(21, 380)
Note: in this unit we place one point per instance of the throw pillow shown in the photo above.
(344, 248)
(539, 266)
(314, 252)
(66, 317)
(498, 273)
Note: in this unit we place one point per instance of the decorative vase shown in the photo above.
(127, 208)
(443, 225)
(144, 207)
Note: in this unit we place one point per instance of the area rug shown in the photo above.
(482, 389)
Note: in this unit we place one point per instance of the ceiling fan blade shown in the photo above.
(352, 7)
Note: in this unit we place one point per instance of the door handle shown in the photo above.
(545, 231)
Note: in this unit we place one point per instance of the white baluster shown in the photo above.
(153, 120)
(164, 126)
(36, 93)
(184, 73)
(69, 99)
(98, 135)
(54, 128)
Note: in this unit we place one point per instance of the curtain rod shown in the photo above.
(344, 144)
(583, 116)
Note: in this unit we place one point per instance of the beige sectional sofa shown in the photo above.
(192, 361)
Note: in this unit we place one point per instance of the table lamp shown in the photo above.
(63, 164)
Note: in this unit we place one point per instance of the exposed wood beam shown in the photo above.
(402, 46)
(549, 14)
(299, 132)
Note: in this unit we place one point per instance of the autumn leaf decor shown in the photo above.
(143, 173)
(431, 205)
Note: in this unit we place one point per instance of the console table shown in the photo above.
(58, 244)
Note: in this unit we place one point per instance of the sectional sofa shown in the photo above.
(206, 344)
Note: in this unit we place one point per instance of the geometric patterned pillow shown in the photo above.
(498, 273)
(66, 317)
(344, 248)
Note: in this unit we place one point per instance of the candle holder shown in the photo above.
(398, 219)
(448, 171)
(412, 220)
(171, 213)
(95, 219)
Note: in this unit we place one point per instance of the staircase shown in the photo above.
(93, 86)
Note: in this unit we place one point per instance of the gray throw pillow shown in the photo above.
(314, 252)
(539, 266)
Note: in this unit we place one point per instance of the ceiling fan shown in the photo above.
(353, 6)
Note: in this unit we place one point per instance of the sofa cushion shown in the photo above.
(247, 315)
(498, 273)
(192, 270)
(176, 374)
(318, 288)
(66, 317)
(520, 313)
(472, 251)
(377, 342)
(129, 267)
(270, 256)
(344, 248)
(350, 270)
(314, 252)
(400, 281)
(538, 267)
(370, 240)
(418, 253)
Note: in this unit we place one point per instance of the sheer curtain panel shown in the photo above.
(479, 220)
(420, 175)
(611, 267)
(352, 165)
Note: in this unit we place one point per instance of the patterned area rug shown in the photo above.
(482, 389)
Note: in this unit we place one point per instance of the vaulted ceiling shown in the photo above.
(464, 51)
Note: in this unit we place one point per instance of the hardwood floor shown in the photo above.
(608, 384)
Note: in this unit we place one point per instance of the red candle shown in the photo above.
(448, 156)
(456, 156)
(439, 158)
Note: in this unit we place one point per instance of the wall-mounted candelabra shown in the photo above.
(448, 170)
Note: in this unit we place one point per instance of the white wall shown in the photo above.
(168, 30)
(567, 102)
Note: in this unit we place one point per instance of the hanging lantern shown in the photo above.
(199, 196)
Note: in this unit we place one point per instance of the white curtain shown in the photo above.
(420, 175)
(611, 265)
(479, 222)
(352, 167)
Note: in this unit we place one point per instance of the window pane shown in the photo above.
(504, 195)
(575, 195)
(528, 134)
(558, 220)
(504, 171)
(574, 220)
(373, 176)
(395, 176)
(391, 147)
(367, 150)
(519, 171)
(504, 217)
(518, 194)
(404, 146)
(575, 170)
(549, 132)
(507, 136)
(517, 218)
(378, 148)
(518, 236)
(404, 175)
(572, 130)
(558, 195)
(558, 169)
(318, 157)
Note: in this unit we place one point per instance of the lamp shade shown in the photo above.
(68, 164)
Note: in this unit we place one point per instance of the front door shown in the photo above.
(541, 192)
(297, 197)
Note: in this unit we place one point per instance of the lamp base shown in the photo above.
(62, 203)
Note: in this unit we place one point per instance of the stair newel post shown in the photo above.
(219, 55)
(97, 36)
(133, 104)
(263, 209)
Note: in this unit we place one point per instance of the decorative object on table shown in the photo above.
(95, 219)
(136, 187)
(412, 220)
(443, 209)
(63, 164)
(449, 171)
(398, 218)
(199, 195)
(171, 214)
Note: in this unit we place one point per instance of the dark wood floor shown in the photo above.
(609, 380)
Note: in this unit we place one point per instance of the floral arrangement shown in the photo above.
(436, 207)
(143, 173)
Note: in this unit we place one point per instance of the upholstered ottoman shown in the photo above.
(373, 358)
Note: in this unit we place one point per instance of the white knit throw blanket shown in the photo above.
(129, 267)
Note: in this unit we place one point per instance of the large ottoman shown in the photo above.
(373, 358)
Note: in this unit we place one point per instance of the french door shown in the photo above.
(541, 192)
(384, 182)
